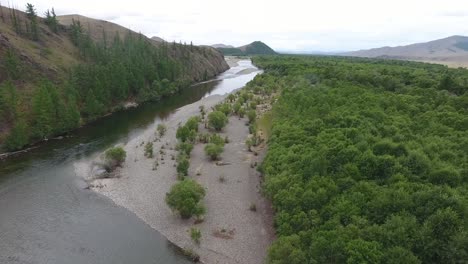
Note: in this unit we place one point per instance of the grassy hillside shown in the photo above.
(366, 161)
(451, 51)
(58, 75)
(254, 48)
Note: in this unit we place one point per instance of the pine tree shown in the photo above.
(43, 112)
(18, 137)
(76, 30)
(32, 16)
(51, 20)
(12, 65)
(8, 101)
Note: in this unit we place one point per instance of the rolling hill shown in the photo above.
(254, 48)
(451, 51)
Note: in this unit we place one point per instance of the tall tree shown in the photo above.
(51, 20)
(32, 16)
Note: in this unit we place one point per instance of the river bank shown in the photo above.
(231, 231)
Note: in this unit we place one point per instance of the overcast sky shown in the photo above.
(294, 25)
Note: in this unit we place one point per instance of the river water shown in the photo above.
(46, 214)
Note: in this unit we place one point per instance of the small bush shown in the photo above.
(195, 234)
(149, 150)
(183, 165)
(217, 139)
(115, 157)
(184, 197)
(251, 115)
(192, 123)
(217, 120)
(241, 113)
(224, 108)
(213, 150)
(161, 130)
(184, 148)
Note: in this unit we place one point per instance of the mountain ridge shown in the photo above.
(254, 48)
(452, 51)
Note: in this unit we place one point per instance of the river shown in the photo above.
(47, 215)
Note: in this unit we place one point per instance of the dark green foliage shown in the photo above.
(19, 136)
(366, 161)
(184, 133)
(254, 48)
(51, 20)
(149, 150)
(185, 197)
(33, 26)
(12, 65)
(217, 120)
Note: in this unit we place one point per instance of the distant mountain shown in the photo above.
(222, 46)
(452, 51)
(157, 39)
(254, 48)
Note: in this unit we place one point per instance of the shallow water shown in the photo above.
(46, 215)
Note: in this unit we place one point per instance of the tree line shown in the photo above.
(367, 160)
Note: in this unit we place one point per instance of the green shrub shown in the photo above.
(184, 148)
(217, 139)
(192, 123)
(213, 150)
(149, 150)
(185, 197)
(161, 130)
(183, 165)
(115, 157)
(251, 115)
(195, 234)
(217, 120)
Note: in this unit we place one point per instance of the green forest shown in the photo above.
(110, 72)
(367, 160)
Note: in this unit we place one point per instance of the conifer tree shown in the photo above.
(32, 16)
(51, 20)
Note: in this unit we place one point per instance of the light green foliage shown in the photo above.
(184, 148)
(192, 123)
(251, 115)
(115, 157)
(195, 234)
(213, 150)
(183, 164)
(225, 108)
(366, 160)
(185, 197)
(217, 139)
(217, 120)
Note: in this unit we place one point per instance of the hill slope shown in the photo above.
(254, 48)
(54, 79)
(452, 51)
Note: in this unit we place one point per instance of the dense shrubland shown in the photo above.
(367, 160)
